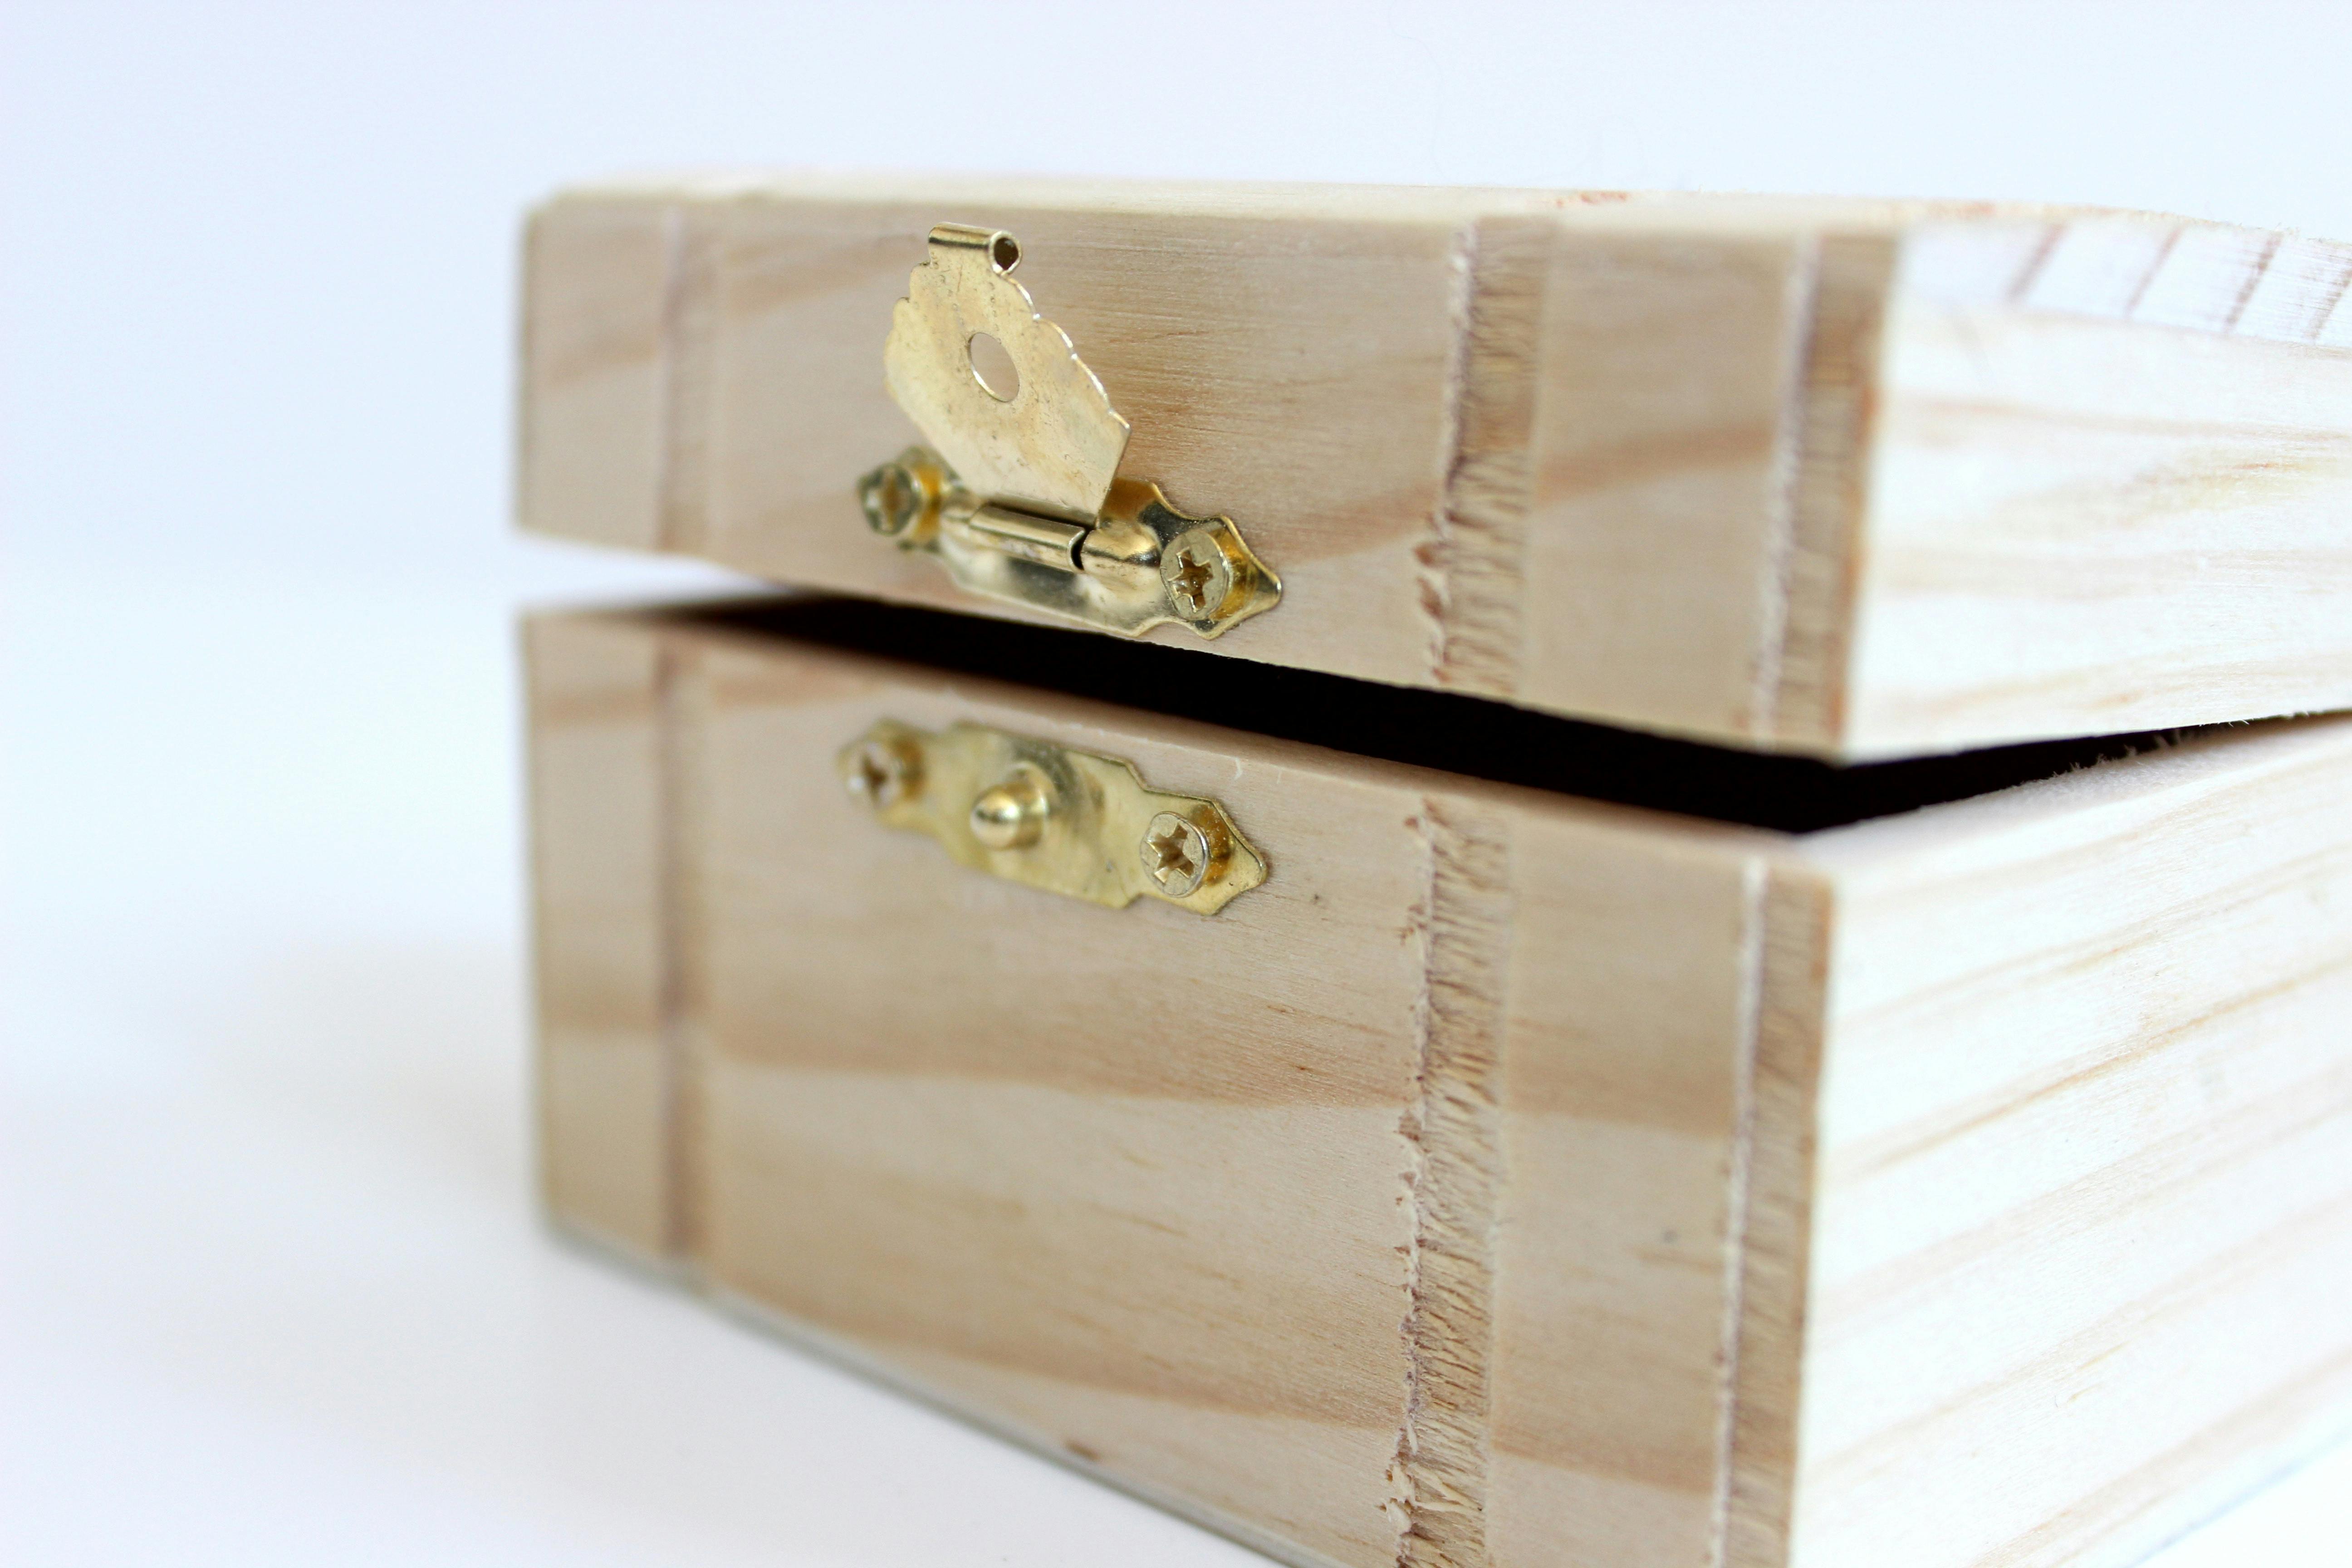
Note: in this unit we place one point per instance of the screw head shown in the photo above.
(893, 498)
(1197, 569)
(882, 772)
(1176, 854)
(1011, 814)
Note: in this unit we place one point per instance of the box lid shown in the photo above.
(1849, 478)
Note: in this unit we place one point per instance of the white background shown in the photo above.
(271, 1289)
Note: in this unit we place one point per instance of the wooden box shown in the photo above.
(1512, 1178)
(1341, 1091)
(1847, 479)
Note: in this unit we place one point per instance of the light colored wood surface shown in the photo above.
(1511, 1180)
(1852, 479)
(2113, 478)
(1623, 1109)
(2084, 1197)
(601, 890)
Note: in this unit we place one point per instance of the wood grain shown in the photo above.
(1662, 480)
(2136, 528)
(1511, 1182)
(1851, 478)
(2083, 1208)
(1623, 1113)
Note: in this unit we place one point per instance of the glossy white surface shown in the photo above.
(271, 1289)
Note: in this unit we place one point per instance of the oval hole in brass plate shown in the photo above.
(993, 368)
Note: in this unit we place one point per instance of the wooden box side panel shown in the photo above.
(745, 353)
(1633, 994)
(2110, 485)
(1661, 478)
(1208, 333)
(601, 913)
(597, 371)
(2084, 1219)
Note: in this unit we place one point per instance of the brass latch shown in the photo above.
(1068, 822)
(1022, 497)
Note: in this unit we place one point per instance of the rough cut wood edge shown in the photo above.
(1739, 1179)
(1444, 1452)
(1474, 563)
(684, 1051)
(689, 305)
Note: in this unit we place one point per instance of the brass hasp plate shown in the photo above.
(1018, 494)
(1038, 814)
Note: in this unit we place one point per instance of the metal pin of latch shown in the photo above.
(1019, 495)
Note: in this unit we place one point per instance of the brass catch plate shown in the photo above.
(1044, 816)
(1018, 494)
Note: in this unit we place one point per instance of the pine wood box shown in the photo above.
(1511, 1178)
(1587, 1147)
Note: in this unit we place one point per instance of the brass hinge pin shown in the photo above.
(1025, 536)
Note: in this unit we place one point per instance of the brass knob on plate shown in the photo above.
(1011, 814)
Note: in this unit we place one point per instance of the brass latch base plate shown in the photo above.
(1041, 815)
